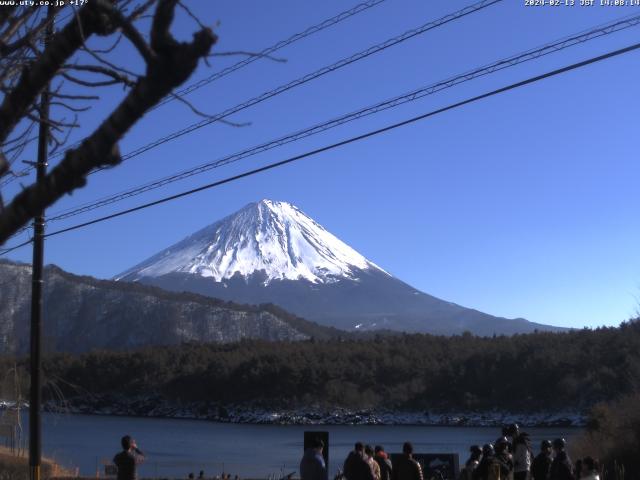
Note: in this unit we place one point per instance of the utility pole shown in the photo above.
(35, 392)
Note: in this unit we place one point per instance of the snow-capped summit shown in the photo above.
(271, 252)
(274, 238)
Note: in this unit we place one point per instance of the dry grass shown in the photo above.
(613, 436)
(13, 467)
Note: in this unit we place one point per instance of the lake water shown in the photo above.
(175, 447)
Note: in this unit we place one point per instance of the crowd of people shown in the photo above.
(224, 476)
(511, 457)
(363, 463)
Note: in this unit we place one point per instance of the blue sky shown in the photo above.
(522, 205)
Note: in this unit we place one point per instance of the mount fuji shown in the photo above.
(271, 252)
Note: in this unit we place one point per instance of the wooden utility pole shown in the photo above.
(35, 392)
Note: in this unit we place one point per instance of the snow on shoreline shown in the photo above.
(160, 408)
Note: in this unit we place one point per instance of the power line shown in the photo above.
(4, 251)
(499, 65)
(266, 52)
(302, 80)
(372, 133)
(313, 75)
(272, 49)
(299, 81)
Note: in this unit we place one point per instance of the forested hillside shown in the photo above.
(524, 372)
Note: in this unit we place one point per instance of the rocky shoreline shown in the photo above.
(157, 407)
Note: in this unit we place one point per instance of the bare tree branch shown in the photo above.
(91, 20)
(114, 15)
(134, 36)
(190, 14)
(15, 24)
(89, 83)
(5, 14)
(31, 35)
(71, 108)
(17, 150)
(140, 10)
(60, 143)
(74, 97)
(58, 125)
(19, 137)
(200, 113)
(115, 75)
(110, 48)
(4, 164)
(173, 63)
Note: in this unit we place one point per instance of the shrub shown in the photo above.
(613, 435)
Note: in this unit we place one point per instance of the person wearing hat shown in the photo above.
(505, 435)
(513, 431)
(561, 467)
(502, 460)
(312, 466)
(383, 462)
(472, 463)
(541, 466)
(482, 471)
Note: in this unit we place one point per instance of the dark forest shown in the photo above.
(539, 371)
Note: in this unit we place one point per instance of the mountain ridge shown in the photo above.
(83, 313)
(272, 252)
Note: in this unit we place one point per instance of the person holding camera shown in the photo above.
(127, 460)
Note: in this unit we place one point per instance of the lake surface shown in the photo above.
(174, 447)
